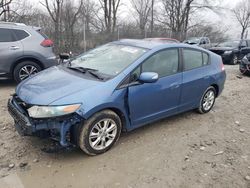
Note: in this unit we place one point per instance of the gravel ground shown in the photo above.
(187, 150)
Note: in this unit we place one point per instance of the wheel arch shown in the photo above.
(118, 110)
(28, 58)
(216, 87)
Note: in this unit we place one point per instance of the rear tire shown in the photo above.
(25, 69)
(207, 101)
(100, 132)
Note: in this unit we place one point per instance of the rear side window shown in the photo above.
(20, 34)
(164, 63)
(192, 59)
(41, 33)
(6, 35)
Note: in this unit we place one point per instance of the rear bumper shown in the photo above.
(56, 128)
(50, 62)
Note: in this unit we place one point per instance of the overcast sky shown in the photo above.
(224, 19)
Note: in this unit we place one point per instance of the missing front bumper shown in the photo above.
(59, 128)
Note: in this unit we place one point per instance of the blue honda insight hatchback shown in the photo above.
(118, 86)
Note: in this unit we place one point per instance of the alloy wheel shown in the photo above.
(208, 100)
(27, 71)
(235, 60)
(103, 134)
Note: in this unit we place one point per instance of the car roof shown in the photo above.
(152, 44)
(14, 25)
(162, 39)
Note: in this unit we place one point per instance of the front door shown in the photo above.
(151, 101)
(10, 49)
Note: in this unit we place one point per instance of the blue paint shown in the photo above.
(140, 103)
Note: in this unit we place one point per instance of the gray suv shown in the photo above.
(24, 51)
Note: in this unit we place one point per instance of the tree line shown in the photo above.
(78, 25)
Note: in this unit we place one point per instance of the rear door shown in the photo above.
(10, 49)
(196, 77)
(150, 101)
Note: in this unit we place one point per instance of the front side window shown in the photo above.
(6, 35)
(164, 63)
(109, 59)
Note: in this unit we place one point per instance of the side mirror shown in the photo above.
(64, 56)
(148, 77)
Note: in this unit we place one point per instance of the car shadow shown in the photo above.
(125, 139)
(7, 83)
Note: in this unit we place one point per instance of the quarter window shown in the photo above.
(6, 35)
(20, 34)
(205, 59)
(164, 63)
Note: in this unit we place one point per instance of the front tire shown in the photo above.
(100, 132)
(207, 100)
(24, 70)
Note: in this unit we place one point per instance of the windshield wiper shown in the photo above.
(88, 70)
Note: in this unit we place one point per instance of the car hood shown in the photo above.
(53, 84)
(222, 48)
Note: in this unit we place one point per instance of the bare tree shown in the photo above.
(242, 14)
(5, 8)
(177, 13)
(142, 9)
(152, 17)
(110, 9)
(70, 15)
(176, 16)
(54, 9)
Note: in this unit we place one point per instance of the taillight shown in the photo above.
(222, 67)
(47, 43)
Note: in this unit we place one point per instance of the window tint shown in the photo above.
(205, 59)
(192, 59)
(20, 34)
(6, 35)
(164, 63)
(244, 43)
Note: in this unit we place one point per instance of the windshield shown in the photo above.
(193, 41)
(229, 44)
(109, 59)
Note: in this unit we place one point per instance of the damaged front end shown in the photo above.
(61, 128)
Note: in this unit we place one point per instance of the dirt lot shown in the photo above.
(188, 150)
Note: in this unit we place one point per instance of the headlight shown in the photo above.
(52, 111)
(228, 52)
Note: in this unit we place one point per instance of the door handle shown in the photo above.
(174, 85)
(14, 47)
